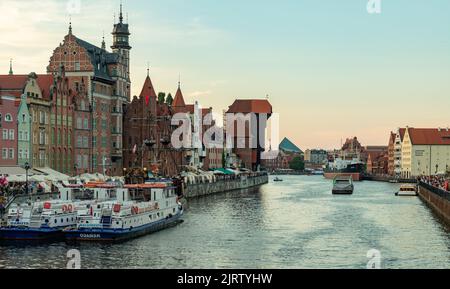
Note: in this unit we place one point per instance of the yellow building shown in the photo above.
(425, 152)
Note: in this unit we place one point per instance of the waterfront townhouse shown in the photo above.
(425, 151)
(8, 127)
(24, 148)
(106, 76)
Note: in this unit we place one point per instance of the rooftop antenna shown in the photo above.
(179, 80)
(148, 69)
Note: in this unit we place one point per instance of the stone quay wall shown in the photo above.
(224, 185)
(436, 199)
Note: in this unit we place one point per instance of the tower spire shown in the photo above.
(70, 25)
(121, 14)
(179, 80)
(10, 67)
(103, 42)
(148, 69)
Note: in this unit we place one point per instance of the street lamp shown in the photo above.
(437, 168)
(27, 168)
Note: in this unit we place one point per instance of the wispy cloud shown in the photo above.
(200, 93)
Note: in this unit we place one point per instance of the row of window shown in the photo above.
(8, 153)
(8, 134)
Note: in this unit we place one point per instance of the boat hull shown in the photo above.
(120, 235)
(343, 192)
(406, 194)
(332, 175)
(29, 234)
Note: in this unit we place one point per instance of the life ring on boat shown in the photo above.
(91, 211)
(157, 206)
(64, 208)
(70, 208)
(134, 210)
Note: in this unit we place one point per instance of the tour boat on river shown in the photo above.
(41, 220)
(157, 208)
(46, 220)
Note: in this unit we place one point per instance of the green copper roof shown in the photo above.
(287, 146)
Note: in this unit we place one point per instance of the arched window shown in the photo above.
(8, 117)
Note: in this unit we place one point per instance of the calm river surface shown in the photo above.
(294, 224)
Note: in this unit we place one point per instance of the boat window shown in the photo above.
(67, 220)
(56, 221)
(117, 223)
(150, 217)
(174, 210)
(62, 220)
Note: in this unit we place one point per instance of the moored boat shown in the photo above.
(121, 220)
(40, 221)
(344, 168)
(46, 220)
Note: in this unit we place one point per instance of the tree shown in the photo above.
(161, 97)
(169, 99)
(297, 164)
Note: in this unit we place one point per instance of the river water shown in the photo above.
(294, 224)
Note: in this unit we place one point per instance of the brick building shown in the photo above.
(106, 77)
(243, 145)
(147, 135)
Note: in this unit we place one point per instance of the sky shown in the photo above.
(331, 69)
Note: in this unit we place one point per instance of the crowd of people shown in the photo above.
(440, 182)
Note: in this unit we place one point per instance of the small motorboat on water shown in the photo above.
(407, 191)
(277, 180)
(343, 185)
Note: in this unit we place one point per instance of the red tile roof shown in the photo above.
(13, 82)
(429, 136)
(179, 99)
(45, 82)
(251, 106)
(402, 133)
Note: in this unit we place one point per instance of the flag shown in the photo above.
(135, 149)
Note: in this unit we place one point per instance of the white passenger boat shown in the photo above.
(124, 219)
(407, 191)
(46, 220)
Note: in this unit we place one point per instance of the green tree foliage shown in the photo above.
(169, 99)
(297, 164)
(161, 97)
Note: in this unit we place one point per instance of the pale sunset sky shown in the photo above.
(331, 69)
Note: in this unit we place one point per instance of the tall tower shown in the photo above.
(121, 46)
(122, 88)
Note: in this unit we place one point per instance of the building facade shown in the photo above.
(24, 148)
(8, 127)
(248, 145)
(425, 152)
(106, 77)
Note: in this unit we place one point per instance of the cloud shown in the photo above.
(200, 93)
